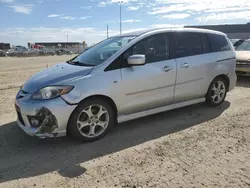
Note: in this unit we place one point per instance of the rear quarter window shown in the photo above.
(218, 43)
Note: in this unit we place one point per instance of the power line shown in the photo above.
(203, 20)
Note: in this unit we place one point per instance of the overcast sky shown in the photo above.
(23, 21)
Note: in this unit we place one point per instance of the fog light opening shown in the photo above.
(34, 122)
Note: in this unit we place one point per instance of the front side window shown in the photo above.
(218, 43)
(205, 43)
(245, 46)
(102, 51)
(155, 48)
(187, 44)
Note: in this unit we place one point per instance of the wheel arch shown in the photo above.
(224, 77)
(99, 96)
(104, 97)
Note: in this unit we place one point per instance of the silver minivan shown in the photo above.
(126, 77)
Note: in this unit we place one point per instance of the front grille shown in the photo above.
(19, 116)
(17, 108)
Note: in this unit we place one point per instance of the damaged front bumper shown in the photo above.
(44, 118)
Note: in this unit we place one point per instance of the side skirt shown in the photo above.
(124, 118)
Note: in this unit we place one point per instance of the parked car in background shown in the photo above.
(2, 53)
(237, 42)
(243, 58)
(22, 52)
(146, 73)
(31, 53)
(20, 48)
(16, 53)
(63, 52)
(9, 52)
(45, 52)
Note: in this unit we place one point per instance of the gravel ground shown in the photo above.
(195, 146)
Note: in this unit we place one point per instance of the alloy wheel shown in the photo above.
(93, 121)
(218, 92)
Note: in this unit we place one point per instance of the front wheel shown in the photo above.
(91, 120)
(217, 92)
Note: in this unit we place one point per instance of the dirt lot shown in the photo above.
(196, 146)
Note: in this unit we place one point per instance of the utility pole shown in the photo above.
(120, 2)
(67, 40)
(107, 31)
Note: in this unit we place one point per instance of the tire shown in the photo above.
(80, 117)
(217, 92)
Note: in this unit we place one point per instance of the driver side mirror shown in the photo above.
(136, 60)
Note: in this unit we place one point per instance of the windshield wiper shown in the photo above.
(79, 63)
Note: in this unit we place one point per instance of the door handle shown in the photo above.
(167, 68)
(185, 65)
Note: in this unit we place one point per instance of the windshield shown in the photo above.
(102, 51)
(245, 46)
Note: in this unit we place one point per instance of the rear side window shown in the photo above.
(218, 43)
(187, 44)
(155, 48)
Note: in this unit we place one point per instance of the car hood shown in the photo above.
(243, 56)
(55, 75)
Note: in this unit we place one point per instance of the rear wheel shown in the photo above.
(91, 120)
(217, 92)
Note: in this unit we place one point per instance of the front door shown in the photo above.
(151, 85)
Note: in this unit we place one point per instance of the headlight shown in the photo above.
(51, 92)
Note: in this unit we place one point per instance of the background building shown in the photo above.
(59, 44)
(75, 47)
(4, 46)
(233, 31)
